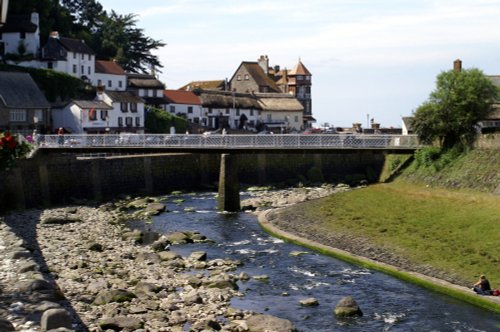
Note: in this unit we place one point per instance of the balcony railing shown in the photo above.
(286, 141)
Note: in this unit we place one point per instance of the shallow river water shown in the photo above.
(388, 304)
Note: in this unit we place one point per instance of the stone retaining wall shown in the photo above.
(55, 179)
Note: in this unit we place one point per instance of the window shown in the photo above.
(296, 118)
(99, 82)
(237, 112)
(17, 115)
(50, 65)
(90, 57)
(308, 78)
(128, 121)
(83, 70)
(120, 122)
(209, 111)
(74, 69)
(137, 121)
(124, 107)
(120, 84)
(133, 107)
(38, 115)
(110, 83)
(74, 55)
(227, 110)
(190, 109)
(83, 56)
(88, 71)
(172, 109)
(238, 77)
(23, 35)
(251, 112)
(104, 115)
(247, 77)
(269, 117)
(300, 77)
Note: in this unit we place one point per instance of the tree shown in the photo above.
(450, 115)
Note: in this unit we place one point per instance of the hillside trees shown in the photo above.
(450, 115)
(111, 35)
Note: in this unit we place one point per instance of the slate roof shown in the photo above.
(299, 69)
(108, 67)
(57, 48)
(88, 104)
(204, 85)
(123, 97)
(18, 90)
(181, 97)
(19, 23)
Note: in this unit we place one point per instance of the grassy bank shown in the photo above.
(457, 232)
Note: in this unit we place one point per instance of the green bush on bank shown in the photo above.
(159, 121)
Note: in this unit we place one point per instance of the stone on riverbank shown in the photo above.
(263, 323)
(347, 307)
(114, 295)
(119, 323)
(55, 318)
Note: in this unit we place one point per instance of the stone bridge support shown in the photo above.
(229, 186)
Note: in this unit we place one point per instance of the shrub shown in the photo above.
(11, 148)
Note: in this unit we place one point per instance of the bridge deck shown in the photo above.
(229, 143)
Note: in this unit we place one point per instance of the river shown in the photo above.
(388, 304)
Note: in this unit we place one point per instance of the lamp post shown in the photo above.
(4, 5)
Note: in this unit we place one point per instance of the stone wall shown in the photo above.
(57, 179)
(488, 141)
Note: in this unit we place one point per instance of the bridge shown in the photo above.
(219, 143)
(227, 146)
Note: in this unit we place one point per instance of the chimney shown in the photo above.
(54, 34)
(457, 65)
(100, 91)
(264, 63)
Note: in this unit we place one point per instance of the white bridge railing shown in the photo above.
(286, 141)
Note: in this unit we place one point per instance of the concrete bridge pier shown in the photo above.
(229, 186)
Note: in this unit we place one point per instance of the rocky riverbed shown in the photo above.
(78, 268)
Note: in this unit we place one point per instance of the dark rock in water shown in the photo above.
(120, 323)
(262, 323)
(114, 295)
(179, 237)
(200, 256)
(162, 244)
(347, 307)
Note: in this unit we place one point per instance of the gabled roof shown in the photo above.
(205, 85)
(299, 69)
(18, 90)
(123, 97)
(143, 81)
(19, 23)
(181, 97)
(258, 75)
(89, 104)
(75, 45)
(56, 48)
(279, 102)
(408, 122)
(108, 67)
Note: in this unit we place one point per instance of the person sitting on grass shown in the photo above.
(482, 287)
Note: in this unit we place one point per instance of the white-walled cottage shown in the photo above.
(186, 104)
(20, 37)
(110, 75)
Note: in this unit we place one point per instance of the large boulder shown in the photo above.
(347, 307)
(179, 237)
(263, 323)
(6, 326)
(55, 318)
(154, 209)
(60, 219)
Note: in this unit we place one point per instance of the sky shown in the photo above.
(368, 58)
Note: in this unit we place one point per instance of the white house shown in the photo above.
(127, 114)
(185, 103)
(84, 117)
(20, 33)
(68, 55)
(280, 110)
(148, 87)
(110, 75)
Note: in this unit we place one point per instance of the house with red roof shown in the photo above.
(186, 104)
(110, 75)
